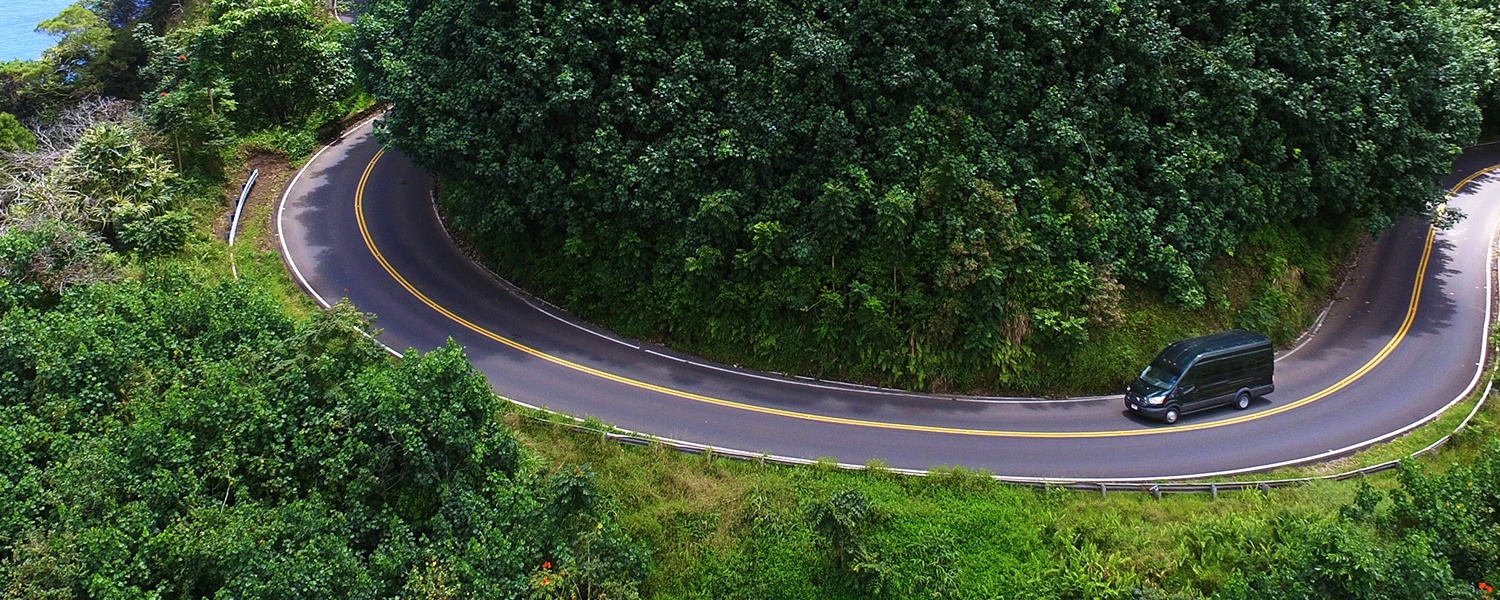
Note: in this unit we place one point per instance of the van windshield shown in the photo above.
(1159, 376)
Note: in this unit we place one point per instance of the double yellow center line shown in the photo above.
(1390, 346)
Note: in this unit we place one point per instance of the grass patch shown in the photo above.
(256, 254)
(723, 528)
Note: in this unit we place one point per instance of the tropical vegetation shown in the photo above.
(167, 431)
(939, 195)
(169, 428)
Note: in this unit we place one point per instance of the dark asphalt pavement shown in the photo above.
(1375, 368)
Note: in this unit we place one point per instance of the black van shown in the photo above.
(1229, 367)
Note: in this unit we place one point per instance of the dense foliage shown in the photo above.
(172, 439)
(275, 66)
(280, 60)
(204, 73)
(84, 189)
(1476, 24)
(163, 433)
(96, 55)
(1434, 536)
(167, 435)
(919, 192)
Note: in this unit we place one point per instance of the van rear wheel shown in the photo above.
(1170, 416)
(1242, 402)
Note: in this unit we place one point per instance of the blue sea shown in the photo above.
(18, 19)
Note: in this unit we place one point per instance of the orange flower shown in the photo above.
(547, 565)
(544, 580)
(1485, 587)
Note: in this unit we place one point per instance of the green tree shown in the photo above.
(31, 89)
(178, 437)
(281, 59)
(1478, 30)
(194, 113)
(83, 41)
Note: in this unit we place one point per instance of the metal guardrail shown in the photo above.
(234, 223)
(1156, 489)
(1102, 487)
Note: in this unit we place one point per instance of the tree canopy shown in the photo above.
(177, 438)
(918, 189)
(165, 433)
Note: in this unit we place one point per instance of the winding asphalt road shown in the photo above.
(1403, 343)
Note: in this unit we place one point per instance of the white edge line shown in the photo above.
(281, 212)
(1490, 302)
(1312, 332)
(1483, 354)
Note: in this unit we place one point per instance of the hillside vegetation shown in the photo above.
(169, 432)
(173, 426)
(969, 195)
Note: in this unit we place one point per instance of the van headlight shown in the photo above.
(1156, 400)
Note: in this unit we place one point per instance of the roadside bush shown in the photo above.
(177, 437)
(1458, 510)
(1338, 561)
(842, 519)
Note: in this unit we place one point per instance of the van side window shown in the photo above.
(1212, 369)
(1200, 372)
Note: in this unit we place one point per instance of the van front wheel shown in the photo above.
(1170, 416)
(1243, 401)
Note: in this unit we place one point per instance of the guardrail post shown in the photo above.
(1103, 490)
(1156, 492)
(1213, 490)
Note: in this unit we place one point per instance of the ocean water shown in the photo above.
(18, 19)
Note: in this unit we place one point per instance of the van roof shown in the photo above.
(1181, 352)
